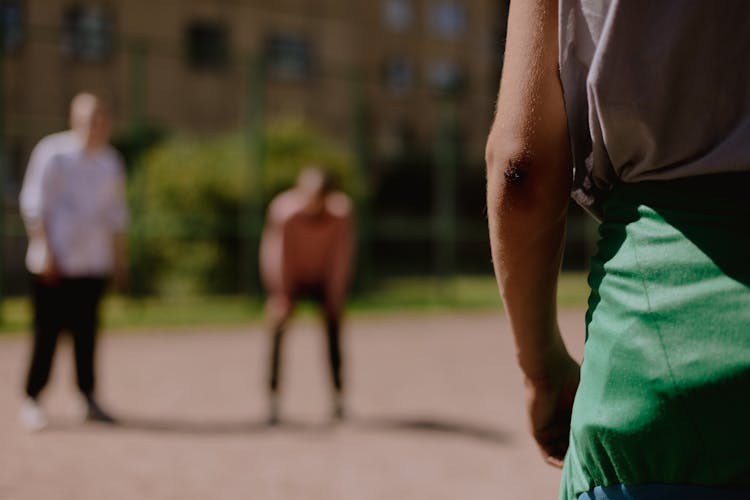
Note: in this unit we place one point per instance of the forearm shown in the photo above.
(341, 264)
(339, 277)
(527, 251)
(528, 183)
(37, 231)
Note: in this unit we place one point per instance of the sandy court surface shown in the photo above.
(435, 405)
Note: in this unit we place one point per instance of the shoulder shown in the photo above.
(48, 157)
(339, 204)
(60, 141)
(53, 145)
(284, 206)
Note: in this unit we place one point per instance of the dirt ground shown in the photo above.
(435, 412)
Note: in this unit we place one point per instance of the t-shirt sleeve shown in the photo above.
(32, 197)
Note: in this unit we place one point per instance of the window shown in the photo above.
(88, 33)
(446, 77)
(398, 75)
(207, 45)
(448, 18)
(289, 57)
(398, 15)
(11, 16)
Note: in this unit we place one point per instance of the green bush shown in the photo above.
(133, 143)
(198, 204)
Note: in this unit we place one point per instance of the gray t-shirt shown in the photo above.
(654, 90)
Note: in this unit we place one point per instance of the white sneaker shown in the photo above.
(31, 415)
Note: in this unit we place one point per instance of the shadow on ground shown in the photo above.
(435, 426)
(421, 425)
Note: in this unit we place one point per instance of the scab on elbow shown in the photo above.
(515, 173)
(516, 186)
(511, 176)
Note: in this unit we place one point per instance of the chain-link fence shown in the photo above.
(421, 209)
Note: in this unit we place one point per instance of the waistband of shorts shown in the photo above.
(664, 491)
(715, 194)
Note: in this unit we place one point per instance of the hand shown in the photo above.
(550, 405)
(50, 274)
(278, 308)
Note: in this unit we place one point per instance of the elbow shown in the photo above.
(511, 169)
(510, 157)
(525, 182)
(528, 160)
(514, 178)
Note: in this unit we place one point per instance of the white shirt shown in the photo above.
(79, 197)
(654, 91)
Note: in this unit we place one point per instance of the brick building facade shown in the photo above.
(188, 64)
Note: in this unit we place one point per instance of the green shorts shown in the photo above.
(665, 383)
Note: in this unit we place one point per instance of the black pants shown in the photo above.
(70, 304)
(333, 331)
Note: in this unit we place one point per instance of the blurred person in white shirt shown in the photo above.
(73, 206)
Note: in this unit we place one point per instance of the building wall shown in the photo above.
(472, 47)
(345, 38)
(349, 49)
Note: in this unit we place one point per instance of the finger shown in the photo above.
(554, 449)
(554, 436)
(554, 454)
(554, 462)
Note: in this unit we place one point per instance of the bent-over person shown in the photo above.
(306, 252)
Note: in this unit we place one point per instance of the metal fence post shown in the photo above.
(361, 151)
(444, 185)
(137, 88)
(251, 218)
(3, 166)
(137, 103)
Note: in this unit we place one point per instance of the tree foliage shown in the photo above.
(198, 202)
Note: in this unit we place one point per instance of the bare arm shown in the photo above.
(528, 186)
(49, 272)
(34, 199)
(342, 259)
(273, 260)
